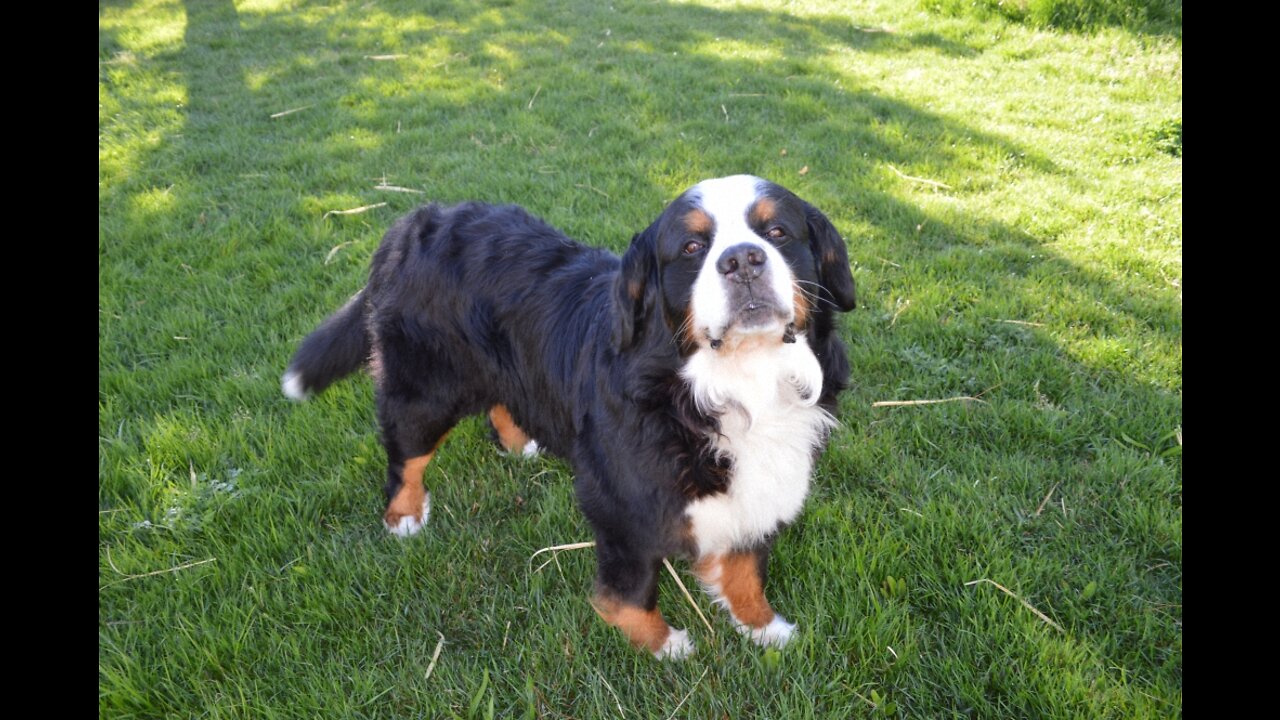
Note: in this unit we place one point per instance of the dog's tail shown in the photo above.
(331, 352)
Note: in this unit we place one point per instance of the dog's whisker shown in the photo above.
(813, 295)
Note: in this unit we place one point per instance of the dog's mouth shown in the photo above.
(757, 315)
(754, 317)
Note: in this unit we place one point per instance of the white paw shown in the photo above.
(776, 634)
(531, 449)
(677, 647)
(409, 525)
(292, 386)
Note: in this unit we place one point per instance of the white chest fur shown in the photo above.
(770, 426)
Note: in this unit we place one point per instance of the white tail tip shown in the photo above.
(292, 386)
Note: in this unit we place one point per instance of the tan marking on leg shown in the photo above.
(409, 498)
(644, 628)
(736, 578)
(512, 438)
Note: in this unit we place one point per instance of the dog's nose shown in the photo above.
(742, 262)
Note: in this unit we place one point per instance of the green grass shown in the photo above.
(1152, 16)
(1040, 266)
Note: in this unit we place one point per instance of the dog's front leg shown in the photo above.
(736, 580)
(627, 598)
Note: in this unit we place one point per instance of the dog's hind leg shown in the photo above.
(420, 395)
(411, 433)
(512, 439)
(408, 500)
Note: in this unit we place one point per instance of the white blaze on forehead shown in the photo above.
(727, 201)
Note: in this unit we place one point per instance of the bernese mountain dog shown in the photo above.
(690, 383)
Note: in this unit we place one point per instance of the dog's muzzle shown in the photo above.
(748, 286)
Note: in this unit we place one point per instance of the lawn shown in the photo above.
(1011, 193)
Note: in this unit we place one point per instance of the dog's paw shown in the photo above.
(678, 646)
(409, 523)
(776, 634)
(531, 449)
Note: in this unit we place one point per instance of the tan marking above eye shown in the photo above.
(697, 222)
(764, 211)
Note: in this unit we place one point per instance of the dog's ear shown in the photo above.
(832, 258)
(635, 292)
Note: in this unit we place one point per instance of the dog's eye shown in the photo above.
(776, 233)
(692, 247)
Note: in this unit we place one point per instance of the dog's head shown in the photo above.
(731, 260)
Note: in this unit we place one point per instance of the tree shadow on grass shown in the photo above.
(656, 102)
